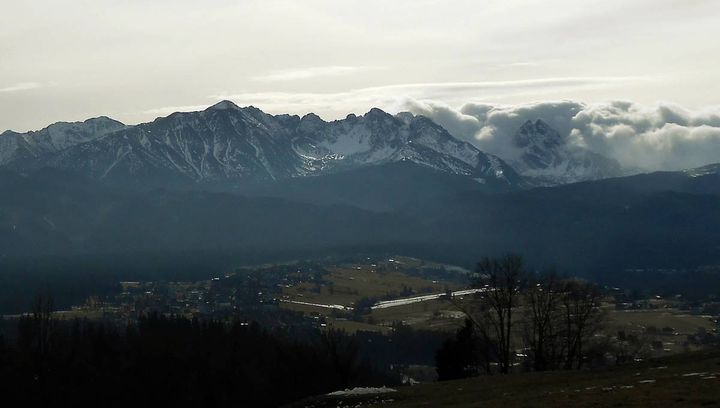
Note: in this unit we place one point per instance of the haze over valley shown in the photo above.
(360, 204)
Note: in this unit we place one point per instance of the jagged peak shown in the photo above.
(64, 124)
(312, 118)
(287, 116)
(310, 123)
(541, 124)
(103, 119)
(251, 109)
(425, 120)
(377, 112)
(284, 117)
(537, 124)
(224, 105)
(255, 113)
(406, 117)
(535, 132)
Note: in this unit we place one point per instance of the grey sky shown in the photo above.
(134, 60)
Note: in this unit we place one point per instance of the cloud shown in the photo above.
(22, 86)
(457, 123)
(313, 72)
(659, 137)
(662, 136)
(510, 87)
(393, 98)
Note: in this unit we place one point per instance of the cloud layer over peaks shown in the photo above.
(660, 137)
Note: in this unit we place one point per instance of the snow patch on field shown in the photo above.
(361, 391)
(425, 298)
(339, 307)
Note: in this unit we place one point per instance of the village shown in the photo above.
(375, 295)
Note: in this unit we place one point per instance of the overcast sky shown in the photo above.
(134, 60)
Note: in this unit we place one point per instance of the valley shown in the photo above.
(351, 204)
(358, 239)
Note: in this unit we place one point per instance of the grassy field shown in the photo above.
(432, 315)
(345, 284)
(685, 380)
(637, 321)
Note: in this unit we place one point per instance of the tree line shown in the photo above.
(521, 320)
(172, 361)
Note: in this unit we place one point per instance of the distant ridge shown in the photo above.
(228, 143)
(546, 157)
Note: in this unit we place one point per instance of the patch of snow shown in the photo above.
(361, 391)
(694, 374)
(407, 301)
(224, 105)
(355, 141)
(338, 307)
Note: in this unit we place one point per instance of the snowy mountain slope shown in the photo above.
(378, 137)
(221, 142)
(18, 148)
(546, 157)
(229, 143)
(708, 170)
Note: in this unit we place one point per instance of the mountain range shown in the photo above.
(238, 179)
(226, 144)
(21, 148)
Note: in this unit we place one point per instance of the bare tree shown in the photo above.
(35, 338)
(542, 301)
(35, 329)
(582, 318)
(502, 280)
(43, 321)
(560, 316)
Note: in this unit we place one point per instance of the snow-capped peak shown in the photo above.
(19, 148)
(406, 117)
(228, 142)
(544, 155)
(310, 123)
(537, 133)
(378, 113)
(224, 105)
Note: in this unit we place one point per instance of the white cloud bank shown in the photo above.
(332, 105)
(660, 137)
(22, 86)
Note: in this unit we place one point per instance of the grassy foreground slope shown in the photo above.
(686, 380)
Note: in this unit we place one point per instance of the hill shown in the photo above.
(658, 220)
(688, 380)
